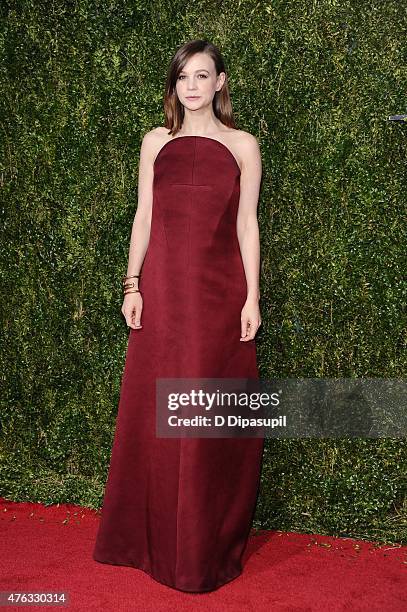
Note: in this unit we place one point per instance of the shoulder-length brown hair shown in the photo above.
(173, 109)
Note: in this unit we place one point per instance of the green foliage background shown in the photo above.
(81, 82)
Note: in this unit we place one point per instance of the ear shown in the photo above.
(221, 78)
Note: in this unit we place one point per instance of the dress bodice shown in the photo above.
(196, 161)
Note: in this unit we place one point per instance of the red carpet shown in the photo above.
(50, 549)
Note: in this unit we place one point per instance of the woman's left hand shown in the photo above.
(250, 319)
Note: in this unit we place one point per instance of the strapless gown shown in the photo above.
(181, 509)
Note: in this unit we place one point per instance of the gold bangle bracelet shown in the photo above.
(124, 278)
(132, 291)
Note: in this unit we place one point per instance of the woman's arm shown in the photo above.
(248, 232)
(140, 233)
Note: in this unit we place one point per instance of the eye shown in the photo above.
(182, 76)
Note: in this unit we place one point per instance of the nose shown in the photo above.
(191, 85)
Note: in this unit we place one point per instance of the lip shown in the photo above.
(192, 97)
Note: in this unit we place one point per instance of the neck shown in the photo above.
(200, 123)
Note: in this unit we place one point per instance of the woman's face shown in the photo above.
(198, 82)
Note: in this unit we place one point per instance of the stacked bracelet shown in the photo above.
(128, 287)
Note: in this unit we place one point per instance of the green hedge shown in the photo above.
(81, 83)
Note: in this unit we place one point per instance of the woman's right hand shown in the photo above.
(132, 309)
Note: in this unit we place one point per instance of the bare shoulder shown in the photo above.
(245, 142)
(153, 140)
(158, 132)
(245, 146)
(156, 135)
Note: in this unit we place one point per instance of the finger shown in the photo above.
(243, 327)
(245, 330)
(129, 316)
(137, 318)
(251, 331)
(130, 321)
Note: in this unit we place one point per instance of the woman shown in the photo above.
(181, 509)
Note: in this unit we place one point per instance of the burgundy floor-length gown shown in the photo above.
(181, 509)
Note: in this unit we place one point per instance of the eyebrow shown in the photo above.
(200, 70)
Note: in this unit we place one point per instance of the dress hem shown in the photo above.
(137, 567)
